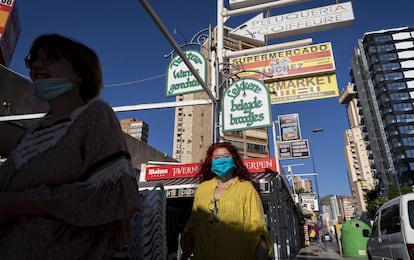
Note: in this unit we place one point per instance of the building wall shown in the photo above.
(135, 128)
(383, 72)
(359, 166)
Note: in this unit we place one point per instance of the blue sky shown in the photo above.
(131, 49)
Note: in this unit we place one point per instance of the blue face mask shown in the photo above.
(223, 167)
(48, 89)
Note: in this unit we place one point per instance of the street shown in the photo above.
(315, 251)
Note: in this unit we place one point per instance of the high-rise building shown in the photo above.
(383, 80)
(135, 128)
(303, 185)
(360, 173)
(193, 130)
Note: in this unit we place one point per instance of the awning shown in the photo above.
(185, 187)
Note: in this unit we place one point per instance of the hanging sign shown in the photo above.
(293, 150)
(301, 89)
(246, 105)
(296, 23)
(287, 63)
(289, 127)
(180, 80)
(191, 170)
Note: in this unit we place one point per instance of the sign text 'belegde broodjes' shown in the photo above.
(180, 80)
(246, 105)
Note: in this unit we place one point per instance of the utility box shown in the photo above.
(354, 242)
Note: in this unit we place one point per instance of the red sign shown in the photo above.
(9, 30)
(254, 165)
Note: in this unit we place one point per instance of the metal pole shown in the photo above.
(319, 204)
(276, 151)
(177, 48)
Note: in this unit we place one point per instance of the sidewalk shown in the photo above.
(316, 251)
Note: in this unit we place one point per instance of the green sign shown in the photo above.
(246, 105)
(180, 80)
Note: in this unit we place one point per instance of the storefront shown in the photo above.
(181, 180)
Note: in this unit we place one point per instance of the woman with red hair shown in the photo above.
(227, 219)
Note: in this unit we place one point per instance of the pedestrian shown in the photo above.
(227, 219)
(68, 189)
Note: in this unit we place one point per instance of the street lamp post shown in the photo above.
(317, 130)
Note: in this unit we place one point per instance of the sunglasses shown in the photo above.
(35, 60)
(213, 208)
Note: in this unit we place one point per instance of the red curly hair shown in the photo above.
(240, 171)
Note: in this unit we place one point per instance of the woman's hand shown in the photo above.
(261, 250)
(187, 245)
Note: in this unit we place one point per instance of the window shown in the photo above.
(385, 47)
(399, 96)
(393, 76)
(396, 86)
(388, 57)
(405, 118)
(409, 153)
(382, 38)
(409, 141)
(411, 213)
(402, 107)
(390, 220)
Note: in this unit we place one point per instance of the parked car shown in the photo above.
(392, 235)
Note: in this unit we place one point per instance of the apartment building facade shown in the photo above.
(135, 128)
(358, 157)
(382, 72)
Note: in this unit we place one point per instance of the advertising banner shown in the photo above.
(302, 89)
(9, 30)
(309, 201)
(254, 165)
(246, 105)
(5, 10)
(272, 66)
(180, 80)
(289, 127)
(293, 150)
(296, 23)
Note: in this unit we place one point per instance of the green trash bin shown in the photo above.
(354, 243)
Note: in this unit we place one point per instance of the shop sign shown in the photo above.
(180, 80)
(254, 165)
(303, 89)
(180, 193)
(293, 150)
(246, 105)
(289, 127)
(296, 23)
(288, 63)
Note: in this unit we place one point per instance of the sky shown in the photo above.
(131, 50)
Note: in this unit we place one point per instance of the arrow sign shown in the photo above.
(249, 33)
(307, 21)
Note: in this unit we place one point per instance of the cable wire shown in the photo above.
(133, 82)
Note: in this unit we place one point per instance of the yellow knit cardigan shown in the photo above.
(240, 223)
